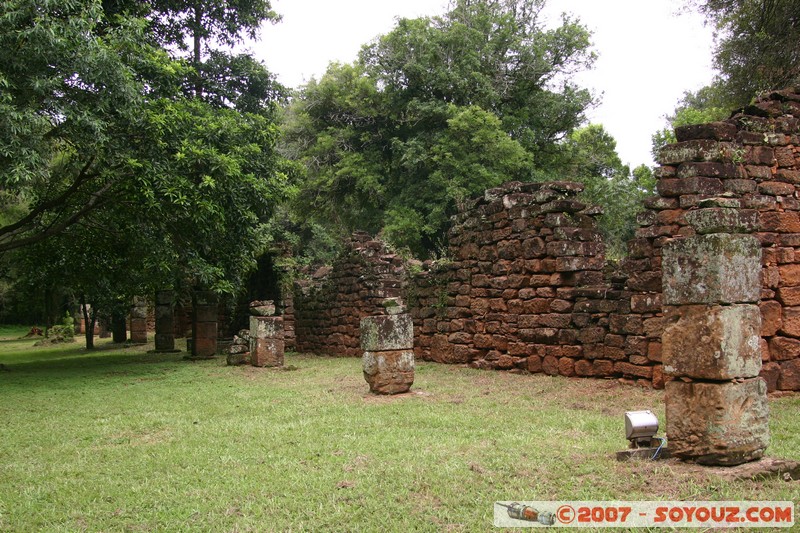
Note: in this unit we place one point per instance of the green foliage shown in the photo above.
(60, 333)
(757, 48)
(432, 113)
(705, 105)
(106, 143)
(589, 156)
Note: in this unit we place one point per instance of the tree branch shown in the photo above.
(83, 177)
(95, 201)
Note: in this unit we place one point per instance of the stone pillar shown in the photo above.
(119, 327)
(102, 329)
(139, 320)
(204, 325)
(716, 404)
(165, 322)
(388, 344)
(266, 341)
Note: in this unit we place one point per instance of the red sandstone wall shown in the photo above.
(753, 161)
(527, 286)
(329, 308)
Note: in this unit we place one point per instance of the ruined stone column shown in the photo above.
(139, 320)
(165, 322)
(716, 405)
(204, 325)
(388, 344)
(266, 335)
(239, 350)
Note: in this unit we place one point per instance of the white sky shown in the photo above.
(648, 55)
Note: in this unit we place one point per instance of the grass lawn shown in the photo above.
(121, 440)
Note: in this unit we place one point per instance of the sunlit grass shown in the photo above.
(122, 440)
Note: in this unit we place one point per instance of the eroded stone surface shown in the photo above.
(266, 352)
(389, 372)
(266, 341)
(711, 269)
(387, 332)
(266, 327)
(723, 220)
(718, 423)
(712, 342)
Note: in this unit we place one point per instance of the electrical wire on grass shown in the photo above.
(658, 450)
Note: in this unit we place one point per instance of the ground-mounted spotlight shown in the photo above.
(640, 430)
(640, 427)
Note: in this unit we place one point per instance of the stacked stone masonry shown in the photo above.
(717, 411)
(388, 361)
(328, 308)
(527, 286)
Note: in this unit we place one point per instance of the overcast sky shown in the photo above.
(648, 54)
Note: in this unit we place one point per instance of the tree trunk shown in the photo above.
(88, 321)
(119, 327)
(198, 49)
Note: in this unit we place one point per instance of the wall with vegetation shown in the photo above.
(526, 285)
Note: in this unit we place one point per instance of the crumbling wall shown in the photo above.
(748, 165)
(527, 287)
(329, 307)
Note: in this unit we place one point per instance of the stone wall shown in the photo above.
(527, 286)
(328, 308)
(748, 166)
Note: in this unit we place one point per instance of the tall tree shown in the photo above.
(435, 111)
(97, 129)
(589, 156)
(758, 45)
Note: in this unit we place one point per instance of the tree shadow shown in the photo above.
(73, 364)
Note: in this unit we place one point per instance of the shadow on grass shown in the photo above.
(59, 365)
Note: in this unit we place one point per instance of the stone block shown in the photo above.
(711, 269)
(207, 330)
(691, 150)
(266, 352)
(206, 313)
(789, 296)
(164, 342)
(235, 359)
(389, 332)
(790, 375)
(203, 347)
(671, 187)
(771, 372)
(723, 220)
(719, 131)
(389, 372)
(784, 348)
(266, 327)
(718, 423)
(712, 342)
(791, 322)
(771, 317)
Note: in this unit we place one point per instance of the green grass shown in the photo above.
(122, 440)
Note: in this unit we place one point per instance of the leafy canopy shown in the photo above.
(434, 112)
(102, 127)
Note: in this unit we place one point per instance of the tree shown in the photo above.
(98, 130)
(758, 45)
(589, 156)
(433, 112)
(70, 101)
